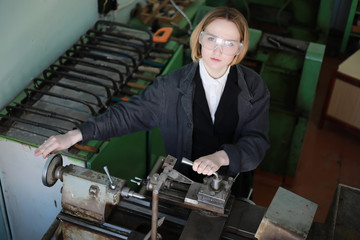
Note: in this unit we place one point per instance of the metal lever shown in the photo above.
(137, 181)
(112, 186)
(187, 161)
(190, 163)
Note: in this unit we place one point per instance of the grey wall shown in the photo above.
(33, 34)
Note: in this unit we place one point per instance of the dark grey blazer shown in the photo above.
(167, 104)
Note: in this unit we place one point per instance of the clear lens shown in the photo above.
(227, 47)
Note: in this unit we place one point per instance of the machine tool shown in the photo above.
(168, 206)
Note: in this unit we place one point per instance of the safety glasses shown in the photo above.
(227, 47)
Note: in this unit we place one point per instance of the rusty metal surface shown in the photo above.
(289, 216)
(71, 232)
(86, 193)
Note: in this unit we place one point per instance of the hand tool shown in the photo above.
(51, 73)
(137, 85)
(149, 69)
(42, 112)
(52, 83)
(71, 69)
(143, 77)
(114, 50)
(105, 25)
(97, 57)
(30, 92)
(127, 58)
(48, 113)
(163, 35)
(66, 60)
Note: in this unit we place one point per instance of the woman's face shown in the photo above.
(216, 62)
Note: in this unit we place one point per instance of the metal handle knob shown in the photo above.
(187, 161)
(190, 163)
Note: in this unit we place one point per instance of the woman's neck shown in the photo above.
(215, 73)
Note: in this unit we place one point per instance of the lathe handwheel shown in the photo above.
(49, 172)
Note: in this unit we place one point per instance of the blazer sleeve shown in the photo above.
(142, 112)
(252, 141)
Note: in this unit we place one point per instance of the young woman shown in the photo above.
(213, 111)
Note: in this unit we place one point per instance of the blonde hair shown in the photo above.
(230, 14)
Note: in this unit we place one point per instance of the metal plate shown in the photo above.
(48, 174)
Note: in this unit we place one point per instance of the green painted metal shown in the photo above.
(349, 24)
(292, 80)
(124, 156)
(324, 19)
(254, 38)
(309, 78)
(281, 131)
(296, 145)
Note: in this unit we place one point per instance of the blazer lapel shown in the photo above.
(229, 96)
(200, 97)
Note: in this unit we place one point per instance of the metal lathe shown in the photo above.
(168, 206)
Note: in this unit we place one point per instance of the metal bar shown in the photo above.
(154, 216)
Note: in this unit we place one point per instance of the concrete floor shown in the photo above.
(330, 156)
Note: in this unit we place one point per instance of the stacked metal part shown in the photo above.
(110, 63)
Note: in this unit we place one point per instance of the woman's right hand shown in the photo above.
(58, 143)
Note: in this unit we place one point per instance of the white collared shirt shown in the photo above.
(213, 88)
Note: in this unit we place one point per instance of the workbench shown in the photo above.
(343, 98)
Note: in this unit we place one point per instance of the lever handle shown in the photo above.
(187, 161)
(190, 163)
(112, 186)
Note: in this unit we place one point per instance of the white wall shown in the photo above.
(33, 34)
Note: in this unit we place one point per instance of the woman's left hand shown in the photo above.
(209, 164)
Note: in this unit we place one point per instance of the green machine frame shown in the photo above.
(292, 80)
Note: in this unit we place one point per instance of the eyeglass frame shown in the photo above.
(241, 45)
